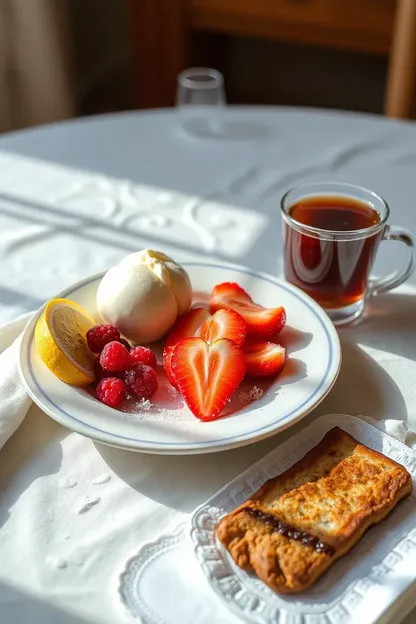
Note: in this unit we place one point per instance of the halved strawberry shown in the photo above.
(224, 324)
(261, 322)
(264, 359)
(167, 364)
(207, 374)
(199, 322)
(187, 325)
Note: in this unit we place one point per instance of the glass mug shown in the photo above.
(331, 234)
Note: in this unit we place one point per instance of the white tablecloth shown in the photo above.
(76, 197)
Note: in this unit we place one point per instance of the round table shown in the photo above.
(74, 198)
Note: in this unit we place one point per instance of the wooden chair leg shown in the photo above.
(159, 42)
(401, 80)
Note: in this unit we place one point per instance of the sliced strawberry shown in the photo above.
(262, 323)
(264, 359)
(167, 357)
(207, 374)
(187, 325)
(224, 324)
(199, 322)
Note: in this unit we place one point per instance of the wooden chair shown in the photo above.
(401, 80)
(168, 35)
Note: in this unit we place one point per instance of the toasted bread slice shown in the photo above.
(299, 523)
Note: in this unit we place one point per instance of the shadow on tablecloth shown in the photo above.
(19, 607)
(389, 325)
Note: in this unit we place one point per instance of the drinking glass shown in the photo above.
(200, 99)
(333, 265)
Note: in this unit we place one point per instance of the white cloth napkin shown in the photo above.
(14, 401)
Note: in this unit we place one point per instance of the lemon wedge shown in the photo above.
(61, 342)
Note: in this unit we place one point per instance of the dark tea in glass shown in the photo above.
(333, 271)
(331, 235)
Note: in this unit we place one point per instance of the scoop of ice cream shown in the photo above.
(169, 271)
(143, 295)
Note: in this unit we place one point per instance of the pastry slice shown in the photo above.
(297, 524)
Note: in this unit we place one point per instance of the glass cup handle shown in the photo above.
(383, 284)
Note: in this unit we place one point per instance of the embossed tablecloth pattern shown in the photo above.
(74, 198)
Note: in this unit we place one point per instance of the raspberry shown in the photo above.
(141, 380)
(115, 357)
(125, 343)
(143, 355)
(100, 373)
(100, 335)
(111, 391)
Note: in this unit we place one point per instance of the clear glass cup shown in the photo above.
(333, 265)
(200, 99)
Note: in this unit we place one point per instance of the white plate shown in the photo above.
(310, 372)
(363, 586)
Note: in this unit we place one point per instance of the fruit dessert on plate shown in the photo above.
(150, 329)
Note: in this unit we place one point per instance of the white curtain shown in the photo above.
(35, 68)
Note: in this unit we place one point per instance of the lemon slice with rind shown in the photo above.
(61, 342)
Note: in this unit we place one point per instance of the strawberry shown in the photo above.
(207, 374)
(264, 359)
(187, 325)
(167, 356)
(224, 324)
(262, 323)
(199, 322)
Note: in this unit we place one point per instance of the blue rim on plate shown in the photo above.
(52, 408)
